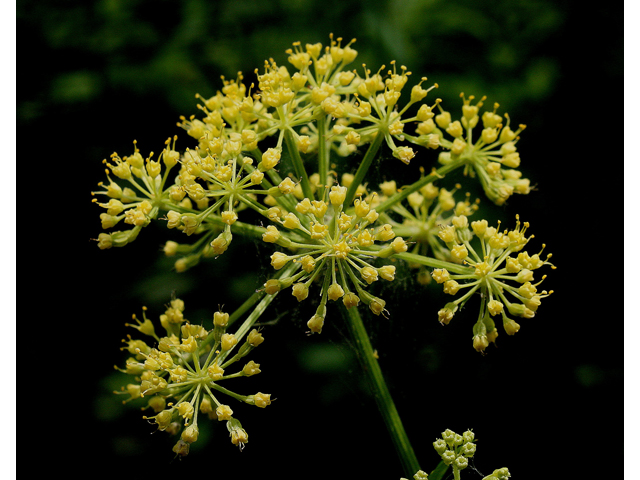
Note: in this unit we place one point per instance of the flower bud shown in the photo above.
(229, 341)
(335, 292)
(461, 463)
(215, 371)
(251, 368)
(262, 399)
(369, 274)
(270, 159)
(468, 449)
(350, 300)
(337, 195)
(445, 315)
(190, 434)
(316, 323)
(449, 436)
(495, 307)
(224, 412)
(220, 319)
(255, 338)
(510, 326)
(272, 286)
(271, 235)
(480, 342)
(279, 260)
(451, 287)
(443, 119)
(387, 272)
(300, 291)
(448, 457)
(440, 446)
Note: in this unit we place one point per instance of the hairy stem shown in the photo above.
(381, 393)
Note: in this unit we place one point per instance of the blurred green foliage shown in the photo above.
(173, 49)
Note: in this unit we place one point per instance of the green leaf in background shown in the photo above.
(439, 471)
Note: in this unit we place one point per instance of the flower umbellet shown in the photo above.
(500, 270)
(487, 155)
(287, 162)
(185, 372)
(455, 450)
(421, 216)
(336, 247)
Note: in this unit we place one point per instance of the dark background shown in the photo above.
(98, 74)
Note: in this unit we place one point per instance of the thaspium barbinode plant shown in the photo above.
(288, 163)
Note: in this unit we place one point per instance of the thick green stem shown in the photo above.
(363, 168)
(381, 392)
(456, 473)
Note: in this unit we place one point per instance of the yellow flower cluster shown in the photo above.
(362, 107)
(421, 217)
(492, 156)
(500, 260)
(332, 244)
(181, 374)
(275, 149)
(138, 203)
(226, 170)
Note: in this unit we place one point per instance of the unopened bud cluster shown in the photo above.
(498, 474)
(455, 449)
(419, 475)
